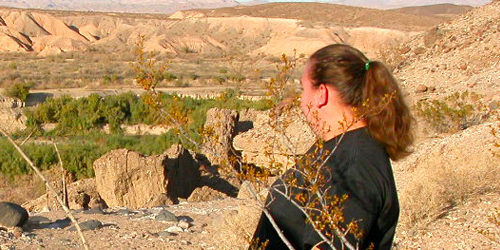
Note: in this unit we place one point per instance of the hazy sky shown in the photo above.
(436, 1)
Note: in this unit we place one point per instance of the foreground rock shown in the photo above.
(12, 215)
(129, 179)
(88, 225)
(81, 195)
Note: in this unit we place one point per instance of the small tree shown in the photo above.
(321, 209)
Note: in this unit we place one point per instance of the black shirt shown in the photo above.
(360, 168)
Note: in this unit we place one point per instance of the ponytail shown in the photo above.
(371, 89)
(386, 114)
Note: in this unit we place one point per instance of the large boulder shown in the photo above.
(275, 138)
(129, 179)
(220, 126)
(12, 215)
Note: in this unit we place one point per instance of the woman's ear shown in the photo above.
(322, 95)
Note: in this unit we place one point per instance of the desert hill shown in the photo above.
(332, 14)
(387, 4)
(461, 55)
(443, 10)
(133, 6)
(250, 30)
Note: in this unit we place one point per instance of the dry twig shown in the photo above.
(49, 187)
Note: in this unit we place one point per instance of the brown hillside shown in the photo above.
(461, 55)
(340, 15)
(448, 10)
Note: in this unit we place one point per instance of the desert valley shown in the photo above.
(145, 109)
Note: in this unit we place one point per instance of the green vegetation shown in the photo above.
(79, 123)
(18, 90)
(78, 152)
(455, 112)
(79, 116)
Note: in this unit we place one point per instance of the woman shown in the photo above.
(356, 107)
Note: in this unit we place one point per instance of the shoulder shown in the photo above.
(360, 162)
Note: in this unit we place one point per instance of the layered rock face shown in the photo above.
(25, 31)
(127, 178)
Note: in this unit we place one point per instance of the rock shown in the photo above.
(259, 190)
(432, 36)
(128, 179)
(174, 229)
(58, 224)
(421, 89)
(166, 234)
(463, 66)
(37, 220)
(12, 215)
(165, 215)
(405, 49)
(419, 51)
(205, 193)
(493, 105)
(160, 201)
(97, 203)
(12, 119)
(182, 172)
(83, 200)
(77, 196)
(184, 224)
(88, 225)
(275, 137)
(246, 120)
(220, 124)
(124, 212)
(94, 210)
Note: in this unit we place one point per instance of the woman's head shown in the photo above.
(364, 86)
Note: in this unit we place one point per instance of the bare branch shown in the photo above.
(58, 198)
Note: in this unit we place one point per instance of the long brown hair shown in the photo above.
(365, 84)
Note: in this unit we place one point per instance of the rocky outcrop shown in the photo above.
(127, 178)
(91, 32)
(12, 215)
(81, 195)
(12, 117)
(275, 138)
(220, 127)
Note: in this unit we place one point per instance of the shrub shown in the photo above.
(79, 116)
(78, 153)
(18, 90)
(455, 112)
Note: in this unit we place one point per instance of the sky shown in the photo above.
(440, 1)
(387, 3)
